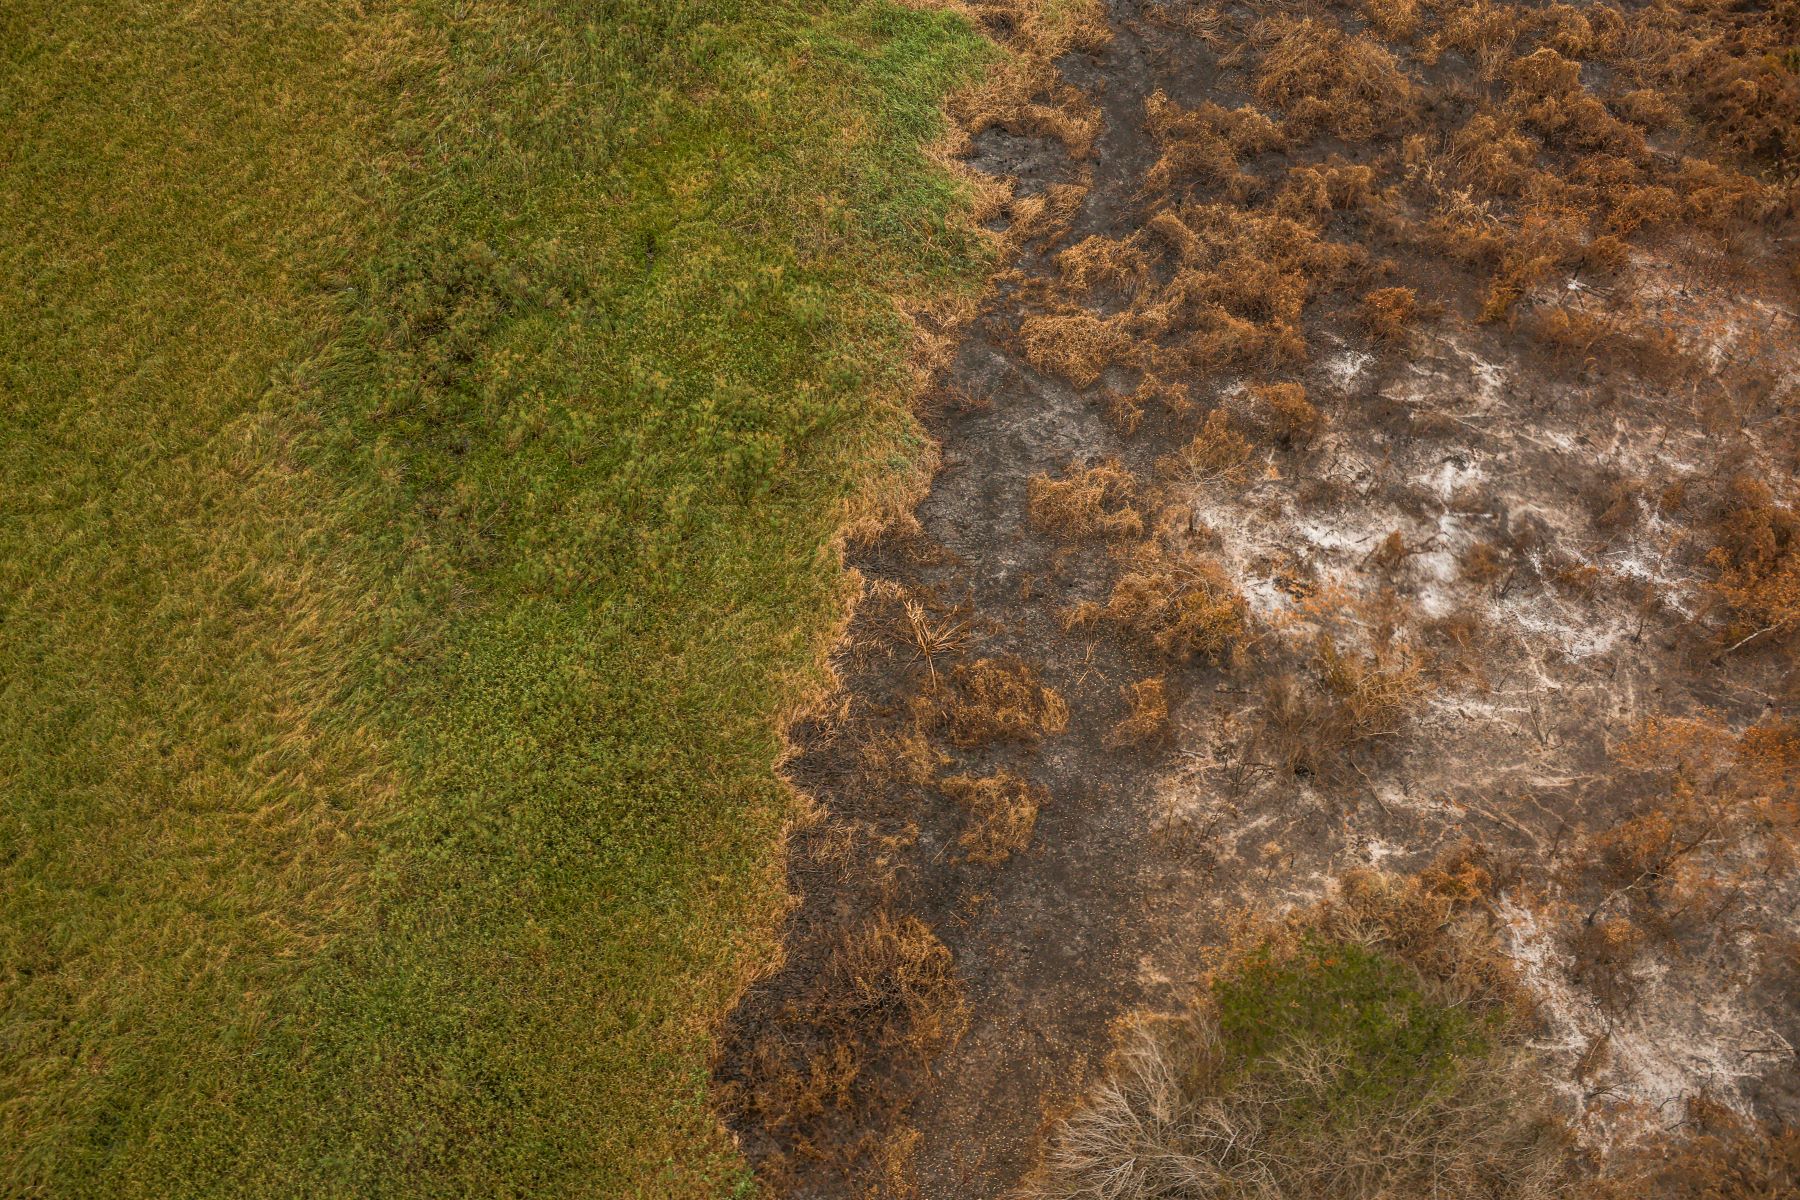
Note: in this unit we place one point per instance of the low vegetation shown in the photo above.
(1371, 1047)
(424, 427)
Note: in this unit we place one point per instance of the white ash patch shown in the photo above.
(1677, 1042)
(1346, 367)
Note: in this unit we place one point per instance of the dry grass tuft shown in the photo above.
(1755, 553)
(1204, 145)
(1095, 502)
(1216, 452)
(1351, 702)
(1184, 604)
(1000, 700)
(1281, 412)
(1076, 346)
(885, 1002)
(1722, 1157)
(1148, 720)
(1388, 312)
(1003, 809)
(1329, 81)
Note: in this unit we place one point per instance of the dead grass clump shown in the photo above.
(884, 1003)
(1395, 20)
(1077, 346)
(1003, 809)
(1490, 155)
(1388, 312)
(1185, 605)
(1719, 1156)
(1483, 32)
(1048, 214)
(1328, 81)
(995, 699)
(1097, 262)
(1204, 144)
(1755, 555)
(1282, 413)
(1349, 703)
(1095, 502)
(1370, 1047)
(906, 758)
(1148, 719)
(1312, 193)
(1026, 95)
(1216, 452)
(893, 980)
(1548, 241)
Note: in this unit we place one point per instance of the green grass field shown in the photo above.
(423, 428)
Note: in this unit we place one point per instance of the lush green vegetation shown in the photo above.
(423, 426)
(1359, 1008)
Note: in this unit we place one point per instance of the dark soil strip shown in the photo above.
(1053, 944)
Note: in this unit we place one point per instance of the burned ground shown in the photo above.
(1382, 440)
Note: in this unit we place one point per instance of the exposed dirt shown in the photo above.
(1480, 530)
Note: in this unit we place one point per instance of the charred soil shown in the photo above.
(1381, 442)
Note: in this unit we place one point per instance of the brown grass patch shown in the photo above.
(994, 699)
(1003, 809)
(1183, 604)
(1351, 702)
(1147, 722)
(1076, 346)
(1095, 502)
(1329, 81)
(1282, 413)
(1216, 452)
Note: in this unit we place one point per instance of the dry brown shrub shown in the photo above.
(1095, 502)
(1484, 32)
(1204, 144)
(1603, 956)
(1183, 604)
(995, 699)
(1216, 452)
(1328, 81)
(1388, 312)
(1077, 346)
(1755, 554)
(1148, 720)
(1003, 809)
(1282, 413)
(1395, 20)
(1719, 1155)
(1351, 702)
(884, 1003)
(1696, 807)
